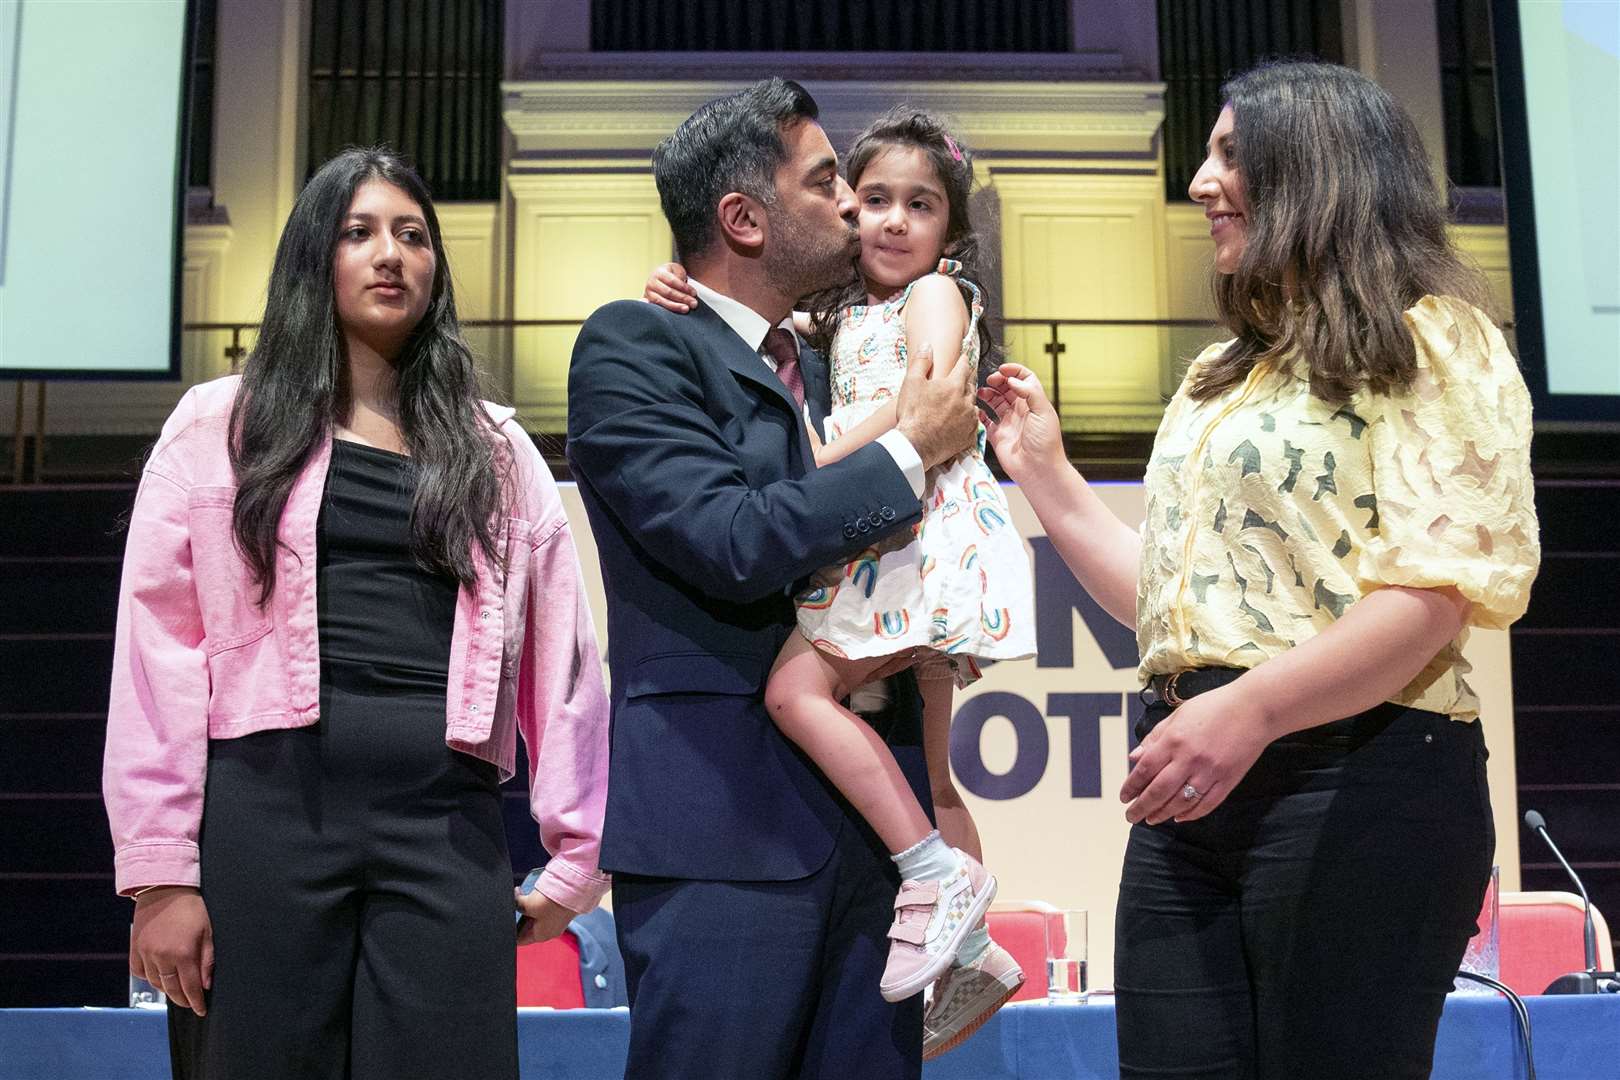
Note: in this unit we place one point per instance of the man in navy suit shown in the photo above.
(752, 902)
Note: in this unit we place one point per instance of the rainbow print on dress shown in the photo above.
(818, 599)
(863, 572)
(989, 517)
(889, 625)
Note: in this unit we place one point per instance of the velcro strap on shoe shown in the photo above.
(917, 894)
(911, 931)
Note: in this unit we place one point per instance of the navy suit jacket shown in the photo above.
(707, 509)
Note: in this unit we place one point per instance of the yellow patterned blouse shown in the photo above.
(1270, 511)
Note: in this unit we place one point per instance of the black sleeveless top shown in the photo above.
(385, 622)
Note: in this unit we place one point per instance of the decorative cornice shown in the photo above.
(745, 67)
(207, 240)
(558, 118)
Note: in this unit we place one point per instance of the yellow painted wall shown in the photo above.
(580, 240)
(1085, 245)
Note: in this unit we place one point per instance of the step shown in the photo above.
(54, 835)
(1577, 744)
(69, 981)
(1575, 591)
(55, 675)
(1579, 515)
(1565, 668)
(63, 915)
(1580, 819)
(71, 745)
(63, 595)
(56, 520)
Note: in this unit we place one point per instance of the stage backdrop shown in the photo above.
(1039, 746)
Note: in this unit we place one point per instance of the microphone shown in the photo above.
(1590, 981)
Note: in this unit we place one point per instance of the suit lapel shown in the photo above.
(745, 362)
(751, 368)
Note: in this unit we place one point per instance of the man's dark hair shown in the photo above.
(730, 144)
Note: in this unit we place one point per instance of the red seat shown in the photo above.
(1025, 928)
(548, 973)
(1542, 936)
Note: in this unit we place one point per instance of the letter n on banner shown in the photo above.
(1057, 597)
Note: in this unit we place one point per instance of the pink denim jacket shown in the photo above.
(195, 658)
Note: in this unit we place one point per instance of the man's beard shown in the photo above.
(799, 262)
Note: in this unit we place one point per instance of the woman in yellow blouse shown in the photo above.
(1334, 496)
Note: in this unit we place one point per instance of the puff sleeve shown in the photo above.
(1451, 469)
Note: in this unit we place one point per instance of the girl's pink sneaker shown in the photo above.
(931, 919)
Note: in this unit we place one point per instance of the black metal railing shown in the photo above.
(235, 350)
(236, 339)
(1174, 347)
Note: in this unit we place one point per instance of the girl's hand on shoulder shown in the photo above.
(1026, 433)
(1210, 742)
(172, 944)
(669, 289)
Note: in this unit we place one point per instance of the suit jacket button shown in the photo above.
(888, 513)
(863, 525)
(876, 519)
(849, 531)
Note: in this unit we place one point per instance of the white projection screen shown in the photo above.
(92, 108)
(1558, 84)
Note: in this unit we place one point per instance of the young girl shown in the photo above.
(954, 591)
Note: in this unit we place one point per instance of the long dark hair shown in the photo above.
(1346, 230)
(294, 388)
(905, 126)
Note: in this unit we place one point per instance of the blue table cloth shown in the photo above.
(1576, 1038)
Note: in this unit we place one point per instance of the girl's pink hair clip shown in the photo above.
(956, 151)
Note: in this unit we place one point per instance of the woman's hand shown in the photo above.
(668, 288)
(1210, 742)
(1026, 433)
(172, 944)
(543, 917)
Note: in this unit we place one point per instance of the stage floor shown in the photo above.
(1576, 1038)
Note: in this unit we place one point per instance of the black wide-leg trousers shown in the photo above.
(357, 879)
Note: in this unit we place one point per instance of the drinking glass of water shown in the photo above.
(1484, 955)
(1066, 956)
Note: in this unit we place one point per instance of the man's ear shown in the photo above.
(742, 221)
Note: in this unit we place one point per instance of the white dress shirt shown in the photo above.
(752, 327)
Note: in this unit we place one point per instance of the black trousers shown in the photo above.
(1310, 927)
(357, 878)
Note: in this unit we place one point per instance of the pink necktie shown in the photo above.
(781, 346)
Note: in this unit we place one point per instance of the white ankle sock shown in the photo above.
(973, 946)
(929, 859)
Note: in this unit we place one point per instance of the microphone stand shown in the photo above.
(1590, 981)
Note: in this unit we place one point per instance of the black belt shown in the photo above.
(1178, 686)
